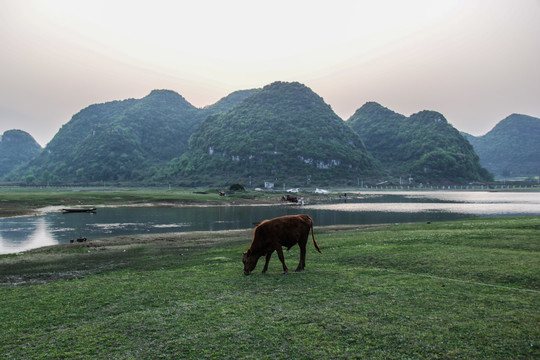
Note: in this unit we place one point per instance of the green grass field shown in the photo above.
(453, 290)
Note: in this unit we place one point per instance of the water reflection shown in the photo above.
(472, 197)
(482, 209)
(19, 234)
(25, 236)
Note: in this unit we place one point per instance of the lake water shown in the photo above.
(24, 233)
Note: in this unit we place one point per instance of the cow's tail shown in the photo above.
(313, 237)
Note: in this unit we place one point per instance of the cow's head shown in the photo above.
(250, 261)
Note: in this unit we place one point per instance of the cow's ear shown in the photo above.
(247, 252)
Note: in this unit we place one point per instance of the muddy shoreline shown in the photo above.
(192, 238)
(62, 262)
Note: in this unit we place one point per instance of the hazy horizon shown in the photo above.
(474, 61)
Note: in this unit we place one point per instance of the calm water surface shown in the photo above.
(53, 227)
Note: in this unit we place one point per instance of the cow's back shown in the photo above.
(285, 230)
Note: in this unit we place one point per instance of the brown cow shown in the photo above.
(272, 234)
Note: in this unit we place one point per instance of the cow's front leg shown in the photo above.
(268, 256)
(282, 259)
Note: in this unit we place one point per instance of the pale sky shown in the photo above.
(474, 61)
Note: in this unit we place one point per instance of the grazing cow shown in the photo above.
(272, 234)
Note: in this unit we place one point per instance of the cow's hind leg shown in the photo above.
(268, 256)
(302, 263)
(282, 259)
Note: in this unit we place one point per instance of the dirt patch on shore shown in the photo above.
(193, 238)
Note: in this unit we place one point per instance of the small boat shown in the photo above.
(79, 210)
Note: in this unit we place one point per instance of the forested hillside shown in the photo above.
(121, 141)
(283, 132)
(227, 102)
(511, 148)
(423, 146)
(16, 148)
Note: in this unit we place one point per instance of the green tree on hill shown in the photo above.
(16, 148)
(511, 147)
(123, 141)
(423, 145)
(284, 131)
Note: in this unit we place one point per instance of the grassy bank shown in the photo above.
(464, 289)
(24, 201)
